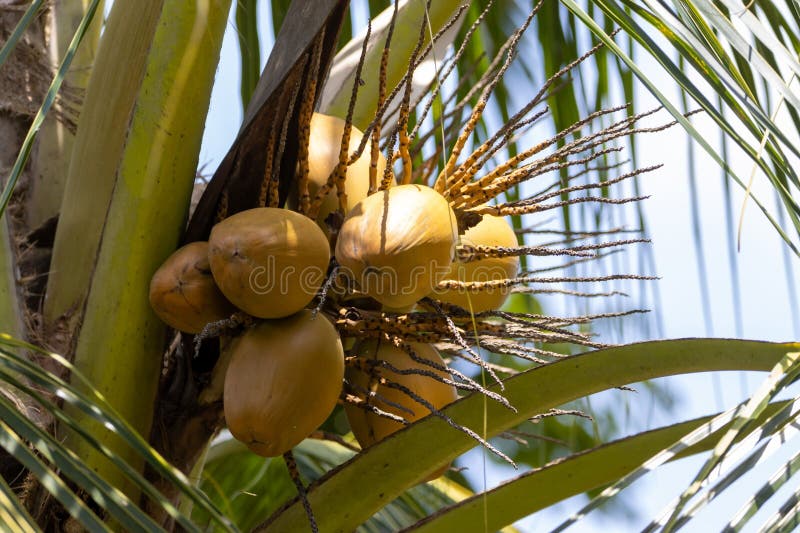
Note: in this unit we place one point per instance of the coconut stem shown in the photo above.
(405, 106)
(291, 464)
(304, 134)
(448, 174)
(376, 131)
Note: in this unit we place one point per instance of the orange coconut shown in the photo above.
(490, 231)
(282, 382)
(183, 293)
(269, 262)
(370, 428)
(397, 244)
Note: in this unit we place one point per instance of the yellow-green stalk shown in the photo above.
(136, 217)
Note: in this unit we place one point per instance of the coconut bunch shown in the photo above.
(253, 281)
(390, 261)
(486, 188)
(396, 288)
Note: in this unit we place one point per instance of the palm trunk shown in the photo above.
(50, 163)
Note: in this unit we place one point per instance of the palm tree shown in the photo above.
(115, 432)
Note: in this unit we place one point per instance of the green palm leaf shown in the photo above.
(19, 30)
(249, 50)
(739, 417)
(95, 407)
(109, 498)
(764, 493)
(633, 28)
(787, 518)
(50, 480)
(404, 459)
(783, 374)
(570, 476)
(249, 488)
(12, 513)
(761, 453)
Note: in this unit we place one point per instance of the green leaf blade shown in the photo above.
(404, 459)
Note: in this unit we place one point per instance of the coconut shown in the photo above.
(370, 428)
(269, 262)
(325, 139)
(283, 380)
(490, 231)
(397, 244)
(183, 293)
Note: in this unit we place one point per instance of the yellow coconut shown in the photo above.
(370, 428)
(397, 244)
(325, 140)
(269, 262)
(183, 293)
(490, 231)
(283, 380)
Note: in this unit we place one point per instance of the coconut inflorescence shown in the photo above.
(484, 293)
(395, 256)
(417, 266)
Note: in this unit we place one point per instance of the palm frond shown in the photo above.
(782, 374)
(739, 417)
(50, 480)
(250, 488)
(249, 47)
(626, 21)
(19, 30)
(764, 493)
(13, 514)
(569, 476)
(45, 388)
(404, 459)
(756, 454)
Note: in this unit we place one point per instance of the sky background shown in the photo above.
(766, 310)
